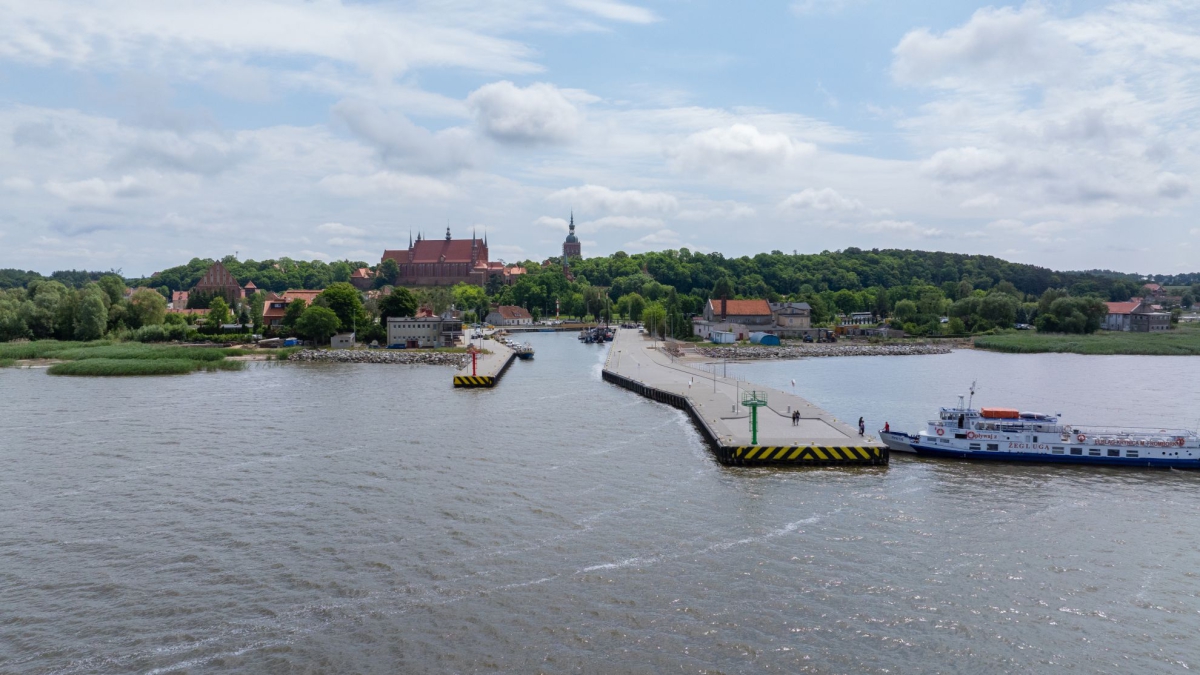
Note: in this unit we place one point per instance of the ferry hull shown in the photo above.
(1039, 458)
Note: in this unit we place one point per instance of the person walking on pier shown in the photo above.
(862, 426)
(795, 418)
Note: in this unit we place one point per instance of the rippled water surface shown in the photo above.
(367, 518)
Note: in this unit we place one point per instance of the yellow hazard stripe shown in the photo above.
(474, 381)
(769, 453)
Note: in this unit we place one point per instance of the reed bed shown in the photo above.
(100, 367)
(1184, 341)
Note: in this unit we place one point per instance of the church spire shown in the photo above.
(447, 231)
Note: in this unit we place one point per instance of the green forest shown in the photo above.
(912, 290)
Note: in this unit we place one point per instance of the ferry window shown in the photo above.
(974, 446)
(993, 446)
(1057, 450)
(1035, 439)
(1113, 452)
(1095, 452)
(1076, 451)
(1131, 453)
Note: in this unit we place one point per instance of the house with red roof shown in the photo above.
(362, 278)
(275, 306)
(510, 315)
(1136, 316)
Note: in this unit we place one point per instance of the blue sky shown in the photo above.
(138, 134)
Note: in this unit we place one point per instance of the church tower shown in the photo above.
(571, 247)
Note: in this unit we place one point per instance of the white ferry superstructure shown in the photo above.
(1003, 434)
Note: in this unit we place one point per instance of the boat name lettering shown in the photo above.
(1028, 446)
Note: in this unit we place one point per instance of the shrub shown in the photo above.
(130, 367)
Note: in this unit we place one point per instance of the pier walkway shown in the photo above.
(715, 404)
(488, 367)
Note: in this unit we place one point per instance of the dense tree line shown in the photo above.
(922, 292)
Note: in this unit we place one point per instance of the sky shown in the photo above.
(138, 134)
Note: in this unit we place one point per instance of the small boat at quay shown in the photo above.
(1007, 434)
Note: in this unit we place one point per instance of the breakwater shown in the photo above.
(393, 356)
(800, 351)
(742, 426)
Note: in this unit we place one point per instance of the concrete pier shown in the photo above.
(715, 404)
(488, 367)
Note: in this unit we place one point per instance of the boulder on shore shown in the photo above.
(395, 356)
(822, 349)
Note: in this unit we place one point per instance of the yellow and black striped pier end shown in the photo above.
(490, 365)
(807, 454)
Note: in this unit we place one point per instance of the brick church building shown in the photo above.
(444, 262)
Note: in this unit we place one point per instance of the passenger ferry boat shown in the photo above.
(964, 432)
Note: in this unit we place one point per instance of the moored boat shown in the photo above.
(964, 432)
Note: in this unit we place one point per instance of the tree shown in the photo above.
(218, 313)
(469, 297)
(386, 273)
(113, 286)
(340, 271)
(293, 312)
(1072, 315)
(92, 318)
(637, 305)
(400, 302)
(655, 319)
(318, 324)
(905, 310)
(146, 308)
(998, 308)
(345, 301)
(723, 288)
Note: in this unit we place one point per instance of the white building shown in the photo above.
(510, 315)
(342, 341)
(423, 332)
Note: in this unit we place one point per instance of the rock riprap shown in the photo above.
(395, 356)
(796, 352)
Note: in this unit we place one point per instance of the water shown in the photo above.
(358, 518)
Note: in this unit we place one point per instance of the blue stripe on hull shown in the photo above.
(1177, 463)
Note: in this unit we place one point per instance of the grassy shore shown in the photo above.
(106, 358)
(1183, 341)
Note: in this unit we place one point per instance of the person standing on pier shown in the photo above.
(795, 418)
(862, 426)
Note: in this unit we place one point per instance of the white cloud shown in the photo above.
(736, 147)
(97, 191)
(18, 184)
(620, 222)
(539, 113)
(901, 227)
(825, 199)
(341, 229)
(402, 144)
(983, 201)
(388, 184)
(1002, 45)
(615, 11)
(597, 198)
(376, 39)
(964, 164)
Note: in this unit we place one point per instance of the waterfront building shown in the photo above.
(414, 332)
(740, 317)
(1136, 316)
(510, 315)
(342, 341)
(275, 306)
(444, 262)
(792, 315)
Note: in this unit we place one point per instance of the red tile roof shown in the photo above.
(1123, 307)
(511, 312)
(1153, 287)
(361, 273)
(741, 307)
(432, 250)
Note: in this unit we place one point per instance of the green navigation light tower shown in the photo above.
(754, 400)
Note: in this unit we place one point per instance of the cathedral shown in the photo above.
(445, 262)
